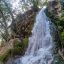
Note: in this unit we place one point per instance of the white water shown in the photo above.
(40, 43)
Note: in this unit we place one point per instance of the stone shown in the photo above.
(24, 22)
(54, 7)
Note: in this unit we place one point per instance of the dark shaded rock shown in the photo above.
(55, 8)
(24, 23)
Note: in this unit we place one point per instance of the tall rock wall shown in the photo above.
(24, 23)
(54, 7)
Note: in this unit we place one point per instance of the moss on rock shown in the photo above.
(18, 48)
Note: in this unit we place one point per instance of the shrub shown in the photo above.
(19, 47)
(59, 22)
(25, 42)
(62, 35)
(4, 57)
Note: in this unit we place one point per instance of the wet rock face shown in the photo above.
(24, 22)
(55, 8)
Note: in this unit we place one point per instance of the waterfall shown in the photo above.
(40, 43)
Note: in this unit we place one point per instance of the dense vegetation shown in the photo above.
(59, 22)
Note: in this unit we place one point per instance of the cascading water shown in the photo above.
(40, 43)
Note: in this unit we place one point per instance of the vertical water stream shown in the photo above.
(40, 43)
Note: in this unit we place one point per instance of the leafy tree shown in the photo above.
(6, 18)
(35, 3)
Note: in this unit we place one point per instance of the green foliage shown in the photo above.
(6, 18)
(4, 57)
(58, 59)
(62, 35)
(5, 36)
(1, 62)
(25, 41)
(59, 22)
(3, 24)
(62, 21)
(38, 3)
(34, 3)
(19, 47)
